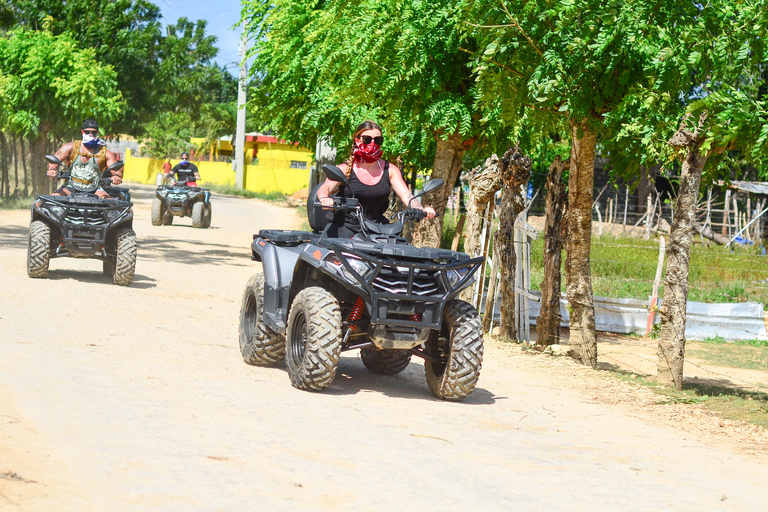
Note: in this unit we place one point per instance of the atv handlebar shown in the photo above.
(340, 204)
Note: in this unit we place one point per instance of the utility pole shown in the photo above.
(240, 133)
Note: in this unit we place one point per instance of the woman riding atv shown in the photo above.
(370, 181)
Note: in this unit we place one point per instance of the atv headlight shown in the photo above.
(455, 275)
(57, 210)
(358, 265)
(115, 214)
(163, 191)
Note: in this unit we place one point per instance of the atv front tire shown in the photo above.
(125, 266)
(259, 345)
(39, 250)
(198, 214)
(385, 362)
(157, 212)
(459, 351)
(207, 216)
(313, 345)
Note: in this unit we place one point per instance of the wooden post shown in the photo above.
(459, 230)
(488, 233)
(490, 299)
(656, 282)
(726, 230)
(626, 202)
(649, 221)
(736, 226)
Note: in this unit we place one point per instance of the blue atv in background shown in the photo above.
(180, 200)
(319, 296)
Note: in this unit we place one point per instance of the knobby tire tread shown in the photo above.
(318, 366)
(465, 358)
(127, 249)
(263, 347)
(198, 210)
(385, 362)
(39, 250)
(157, 212)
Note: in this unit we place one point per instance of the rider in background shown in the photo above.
(87, 160)
(370, 181)
(186, 171)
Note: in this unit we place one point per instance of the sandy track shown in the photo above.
(137, 398)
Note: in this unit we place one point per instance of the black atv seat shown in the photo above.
(318, 218)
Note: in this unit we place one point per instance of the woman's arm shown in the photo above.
(401, 189)
(327, 188)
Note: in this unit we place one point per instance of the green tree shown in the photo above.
(324, 67)
(50, 86)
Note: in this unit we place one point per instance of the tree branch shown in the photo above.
(495, 62)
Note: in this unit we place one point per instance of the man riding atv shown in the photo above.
(186, 172)
(87, 160)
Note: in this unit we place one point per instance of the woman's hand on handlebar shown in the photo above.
(430, 212)
(327, 202)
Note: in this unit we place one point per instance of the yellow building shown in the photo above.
(272, 165)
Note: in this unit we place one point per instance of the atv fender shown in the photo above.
(278, 264)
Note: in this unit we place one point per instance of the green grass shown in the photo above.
(626, 267)
(746, 354)
(728, 403)
(16, 203)
(235, 191)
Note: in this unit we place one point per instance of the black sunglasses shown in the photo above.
(91, 132)
(367, 139)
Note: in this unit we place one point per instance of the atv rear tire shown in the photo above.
(157, 212)
(207, 216)
(125, 266)
(259, 345)
(385, 362)
(167, 218)
(198, 214)
(313, 345)
(455, 376)
(39, 250)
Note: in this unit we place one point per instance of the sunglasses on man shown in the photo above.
(91, 132)
(367, 139)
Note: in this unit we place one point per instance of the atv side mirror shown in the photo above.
(116, 166)
(431, 185)
(334, 173)
(53, 159)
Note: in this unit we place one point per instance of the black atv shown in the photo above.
(83, 225)
(180, 200)
(319, 296)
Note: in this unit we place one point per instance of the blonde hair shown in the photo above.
(365, 125)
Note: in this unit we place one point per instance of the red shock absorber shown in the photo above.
(416, 317)
(356, 313)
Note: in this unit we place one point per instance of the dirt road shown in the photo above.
(137, 398)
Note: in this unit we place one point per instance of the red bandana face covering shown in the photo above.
(367, 153)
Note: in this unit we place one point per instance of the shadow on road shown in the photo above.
(85, 276)
(353, 378)
(199, 253)
(14, 237)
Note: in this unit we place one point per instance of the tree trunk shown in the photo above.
(515, 171)
(37, 165)
(490, 299)
(484, 182)
(6, 185)
(448, 161)
(671, 348)
(548, 323)
(583, 337)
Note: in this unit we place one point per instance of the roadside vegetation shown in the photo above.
(236, 191)
(625, 267)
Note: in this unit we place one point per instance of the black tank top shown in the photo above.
(373, 198)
